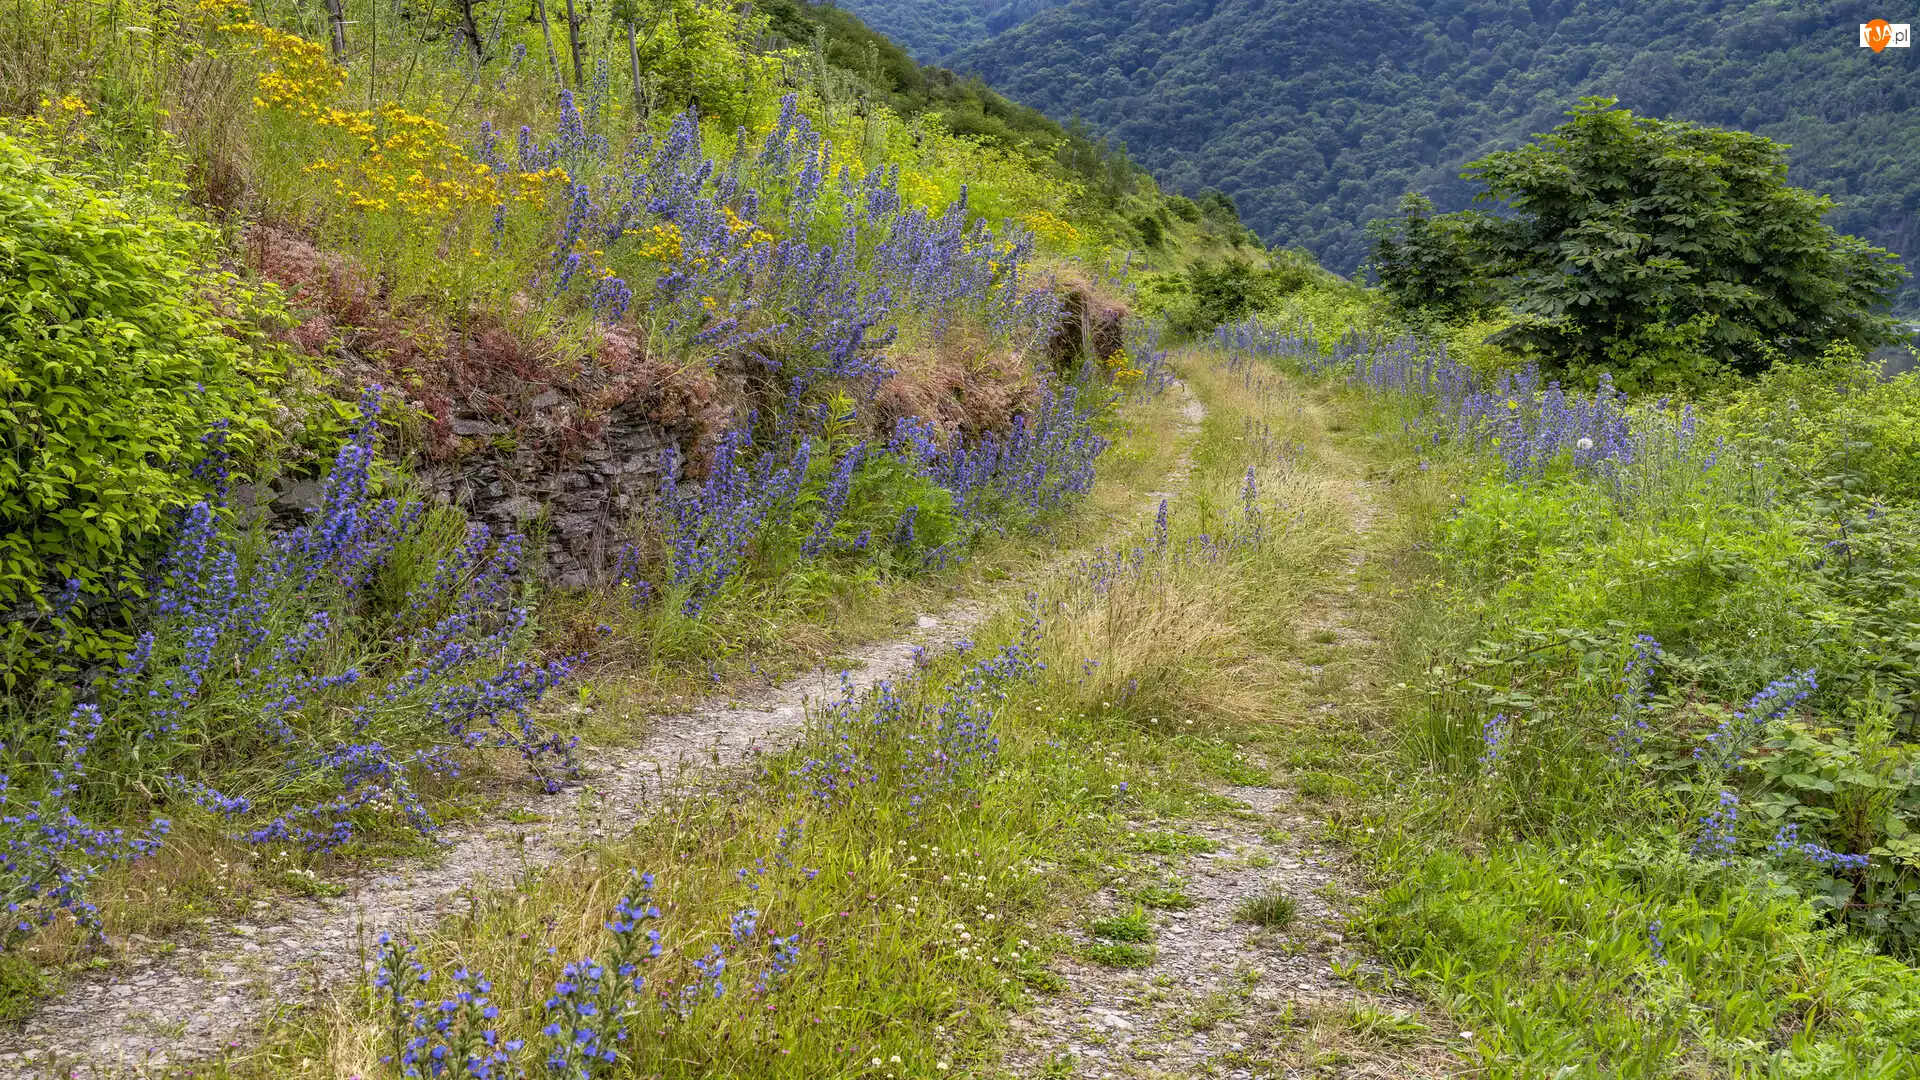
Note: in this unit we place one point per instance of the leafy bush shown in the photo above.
(1216, 293)
(1837, 418)
(119, 351)
(1659, 251)
(1426, 264)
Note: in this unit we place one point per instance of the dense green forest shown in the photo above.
(933, 29)
(1316, 117)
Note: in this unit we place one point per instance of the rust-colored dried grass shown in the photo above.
(549, 399)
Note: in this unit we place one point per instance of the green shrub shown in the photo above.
(1836, 419)
(119, 350)
(1692, 254)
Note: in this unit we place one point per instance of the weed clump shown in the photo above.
(1273, 910)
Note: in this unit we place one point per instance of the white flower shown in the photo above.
(1585, 444)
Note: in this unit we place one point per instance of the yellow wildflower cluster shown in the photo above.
(661, 242)
(403, 161)
(1050, 227)
(737, 225)
(68, 106)
(1120, 367)
(918, 187)
(53, 128)
(299, 78)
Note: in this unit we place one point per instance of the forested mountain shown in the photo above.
(1316, 116)
(933, 29)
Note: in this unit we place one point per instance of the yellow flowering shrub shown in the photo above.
(1120, 368)
(396, 160)
(1050, 227)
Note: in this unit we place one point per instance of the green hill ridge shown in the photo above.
(1316, 117)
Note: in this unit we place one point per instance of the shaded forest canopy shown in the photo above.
(1316, 117)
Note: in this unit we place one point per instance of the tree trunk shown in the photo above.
(546, 32)
(337, 19)
(468, 28)
(639, 92)
(573, 39)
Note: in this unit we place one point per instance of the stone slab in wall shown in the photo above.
(578, 512)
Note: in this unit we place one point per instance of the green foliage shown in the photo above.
(1164, 897)
(21, 987)
(933, 30)
(1630, 961)
(1837, 418)
(1121, 954)
(1632, 244)
(1316, 126)
(1558, 874)
(1274, 910)
(1860, 790)
(1211, 294)
(1169, 843)
(1426, 265)
(966, 106)
(121, 349)
(1133, 925)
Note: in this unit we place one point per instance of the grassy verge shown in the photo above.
(907, 865)
(753, 634)
(1605, 857)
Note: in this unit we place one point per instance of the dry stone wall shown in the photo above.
(578, 512)
(575, 513)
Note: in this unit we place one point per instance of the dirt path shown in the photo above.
(1222, 996)
(153, 1012)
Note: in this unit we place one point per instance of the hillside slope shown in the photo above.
(933, 29)
(1315, 117)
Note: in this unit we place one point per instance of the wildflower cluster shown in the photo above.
(598, 1010)
(1534, 424)
(960, 750)
(1741, 731)
(1718, 831)
(1630, 721)
(790, 491)
(772, 251)
(1493, 740)
(48, 853)
(940, 753)
(393, 159)
(1786, 841)
(1045, 459)
(255, 653)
